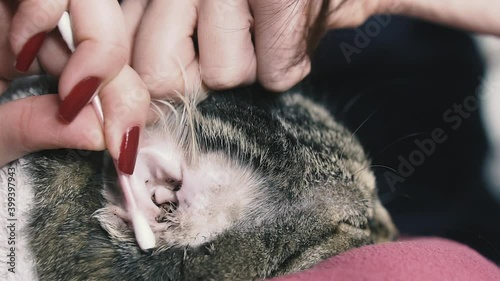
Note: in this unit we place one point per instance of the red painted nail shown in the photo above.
(79, 96)
(128, 150)
(28, 53)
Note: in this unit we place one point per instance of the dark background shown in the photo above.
(394, 91)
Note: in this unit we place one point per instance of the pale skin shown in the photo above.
(138, 50)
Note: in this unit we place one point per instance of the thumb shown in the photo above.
(32, 124)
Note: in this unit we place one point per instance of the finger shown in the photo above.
(31, 124)
(6, 55)
(7, 70)
(101, 52)
(3, 86)
(54, 54)
(32, 21)
(125, 102)
(280, 42)
(164, 47)
(227, 56)
(133, 11)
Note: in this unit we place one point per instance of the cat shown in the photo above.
(237, 185)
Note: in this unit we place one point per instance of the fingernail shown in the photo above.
(79, 96)
(28, 53)
(128, 150)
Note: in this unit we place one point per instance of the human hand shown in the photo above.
(99, 63)
(238, 41)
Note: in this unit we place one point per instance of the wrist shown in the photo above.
(477, 16)
(348, 14)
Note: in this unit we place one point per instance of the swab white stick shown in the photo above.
(143, 232)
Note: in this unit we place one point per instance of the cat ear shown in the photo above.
(157, 176)
(157, 167)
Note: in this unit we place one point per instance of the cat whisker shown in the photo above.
(355, 131)
(352, 101)
(376, 166)
(363, 123)
(170, 105)
(397, 141)
(158, 111)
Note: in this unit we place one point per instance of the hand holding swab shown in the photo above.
(143, 233)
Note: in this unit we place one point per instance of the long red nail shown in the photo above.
(28, 53)
(79, 96)
(128, 150)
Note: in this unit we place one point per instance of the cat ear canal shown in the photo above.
(161, 173)
(159, 163)
(156, 180)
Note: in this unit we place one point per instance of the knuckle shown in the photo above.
(224, 78)
(160, 84)
(277, 81)
(282, 79)
(118, 51)
(112, 51)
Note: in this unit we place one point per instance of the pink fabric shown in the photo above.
(423, 259)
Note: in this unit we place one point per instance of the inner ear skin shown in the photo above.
(157, 175)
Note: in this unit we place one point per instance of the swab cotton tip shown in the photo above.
(142, 230)
(143, 233)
